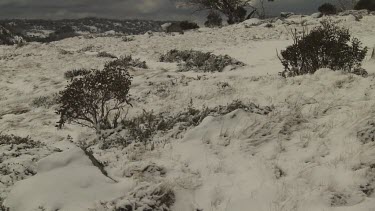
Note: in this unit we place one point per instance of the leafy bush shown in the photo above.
(186, 25)
(96, 100)
(327, 46)
(106, 54)
(365, 4)
(327, 9)
(213, 20)
(71, 74)
(126, 62)
(199, 61)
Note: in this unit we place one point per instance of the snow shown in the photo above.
(65, 181)
(304, 155)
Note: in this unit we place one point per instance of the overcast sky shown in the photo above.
(121, 9)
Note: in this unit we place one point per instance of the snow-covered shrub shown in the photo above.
(327, 9)
(106, 54)
(144, 127)
(200, 61)
(126, 62)
(2, 207)
(96, 100)
(45, 101)
(327, 46)
(145, 197)
(128, 39)
(71, 74)
(15, 162)
(213, 20)
(9, 38)
(186, 25)
(365, 4)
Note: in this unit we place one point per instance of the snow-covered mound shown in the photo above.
(312, 150)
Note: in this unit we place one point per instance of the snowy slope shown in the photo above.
(304, 155)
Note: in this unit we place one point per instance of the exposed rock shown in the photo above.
(286, 14)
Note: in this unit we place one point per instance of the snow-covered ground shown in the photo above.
(304, 155)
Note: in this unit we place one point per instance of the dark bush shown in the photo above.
(365, 4)
(237, 16)
(96, 100)
(327, 46)
(106, 55)
(199, 61)
(126, 62)
(186, 25)
(213, 20)
(327, 9)
(70, 74)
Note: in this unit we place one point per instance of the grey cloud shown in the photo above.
(144, 9)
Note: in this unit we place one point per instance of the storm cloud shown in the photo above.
(123, 9)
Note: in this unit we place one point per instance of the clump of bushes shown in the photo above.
(199, 61)
(327, 9)
(96, 100)
(106, 55)
(126, 62)
(365, 4)
(71, 74)
(214, 19)
(327, 46)
(187, 25)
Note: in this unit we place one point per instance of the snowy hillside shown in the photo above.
(301, 143)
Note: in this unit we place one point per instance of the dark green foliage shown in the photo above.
(96, 100)
(327, 46)
(70, 74)
(186, 25)
(365, 4)
(213, 20)
(199, 61)
(327, 9)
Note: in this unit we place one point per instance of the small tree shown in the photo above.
(328, 46)
(96, 100)
(365, 4)
(327, 9)
(213, 20)
(235, 10)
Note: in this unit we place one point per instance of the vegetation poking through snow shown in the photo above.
(186, 25)
(125, 62)
(96, 100)
(15, 160)
(159, 197)
(45, 101)
(106, 55)
(145, 126)
(200, 61)
(327, 46)
(71, 74)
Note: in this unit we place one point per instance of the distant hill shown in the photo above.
(42, 28)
